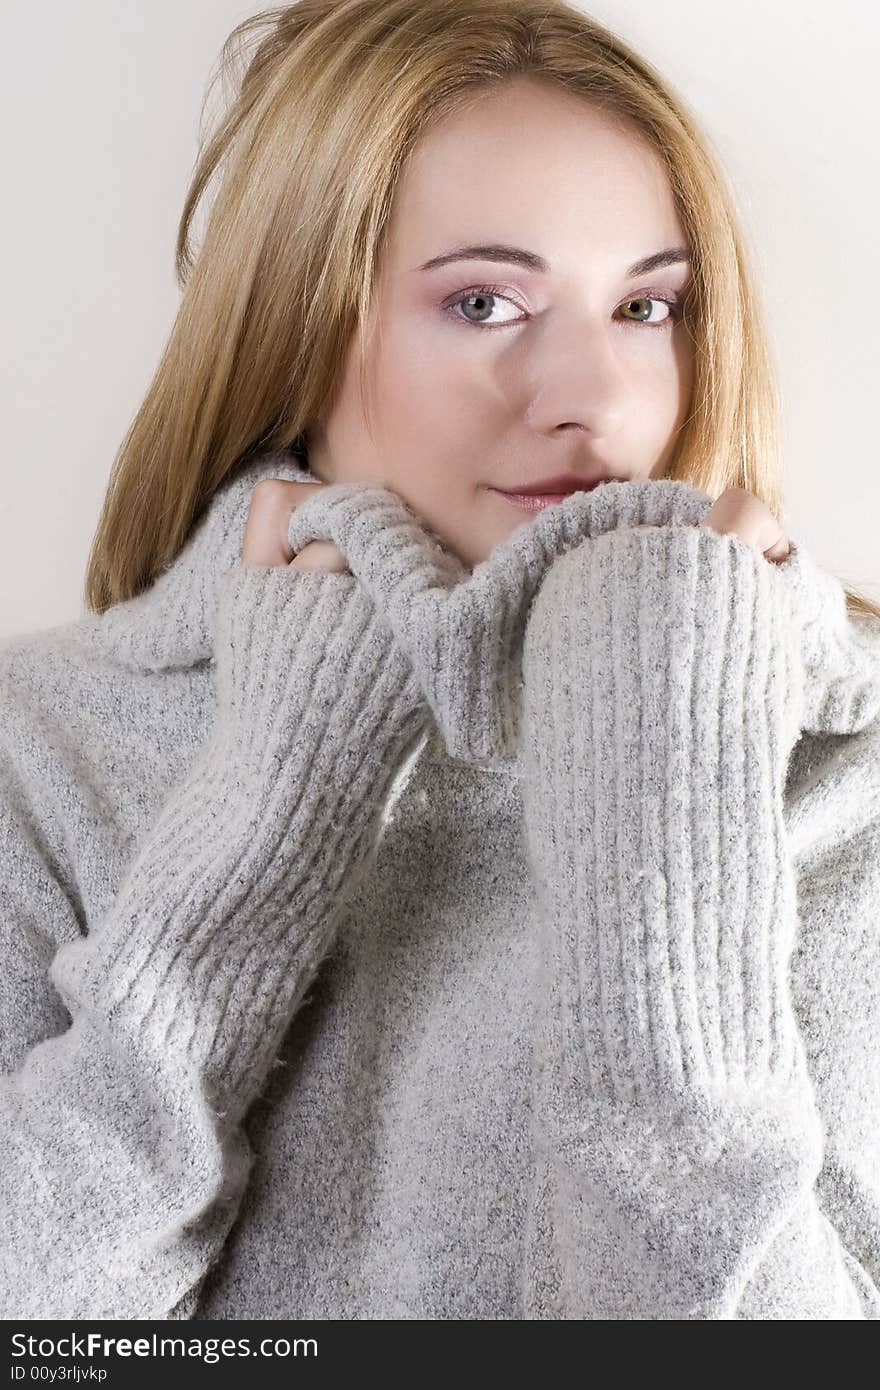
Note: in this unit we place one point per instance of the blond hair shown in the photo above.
(307, 154)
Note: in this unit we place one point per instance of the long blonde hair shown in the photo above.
(306, 156)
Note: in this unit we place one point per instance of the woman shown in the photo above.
(422, 902)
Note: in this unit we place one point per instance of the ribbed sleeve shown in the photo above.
(315, 710)
(662, 743)
(124, 1133)
(665, 686)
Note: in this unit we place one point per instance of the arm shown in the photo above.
(124, 1155)
(667, 674)
(833, 819)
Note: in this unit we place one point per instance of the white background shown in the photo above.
(99, 109)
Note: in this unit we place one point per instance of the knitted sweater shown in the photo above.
(414, 943)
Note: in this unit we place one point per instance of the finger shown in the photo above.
(265, 540)
(764, 534)
(739, 513)
(779, 551)
(320, 555)
(402, 565)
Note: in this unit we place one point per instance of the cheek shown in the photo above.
(663, 389)
(430, 389)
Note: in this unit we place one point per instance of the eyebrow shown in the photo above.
(515, 255)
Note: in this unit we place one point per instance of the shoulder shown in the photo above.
(43, 678)
(72, 673)
(127, 694)
(832, 792)
(88, 746)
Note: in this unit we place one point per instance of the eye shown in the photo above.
(484, 299)
(640, 305)
(483, 295)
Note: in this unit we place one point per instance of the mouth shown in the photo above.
(537, 501)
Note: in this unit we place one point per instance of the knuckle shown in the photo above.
(268, 490)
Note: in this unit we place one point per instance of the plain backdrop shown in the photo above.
(99, 109)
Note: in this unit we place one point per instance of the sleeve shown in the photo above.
(463, 629)
(833, 818)
(667, 673)
(124, 1154)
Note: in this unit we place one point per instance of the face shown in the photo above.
(486, 373)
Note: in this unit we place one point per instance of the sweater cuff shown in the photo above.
(462, 629)
(661, 703)
(398, 558)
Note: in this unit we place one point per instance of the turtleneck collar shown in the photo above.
(171, 624)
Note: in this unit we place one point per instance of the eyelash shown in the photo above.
(497, 292)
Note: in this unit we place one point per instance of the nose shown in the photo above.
(579, 383)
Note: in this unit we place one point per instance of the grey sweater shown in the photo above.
(423, 944)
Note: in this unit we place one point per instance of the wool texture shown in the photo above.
(419, 943)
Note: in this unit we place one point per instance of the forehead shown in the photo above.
(536, 166)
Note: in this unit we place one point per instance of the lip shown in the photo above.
(560, 482)
(536, 499)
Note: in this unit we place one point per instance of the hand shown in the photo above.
(463, 630)
(265, 542)
(739, 513)
(838, 656)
